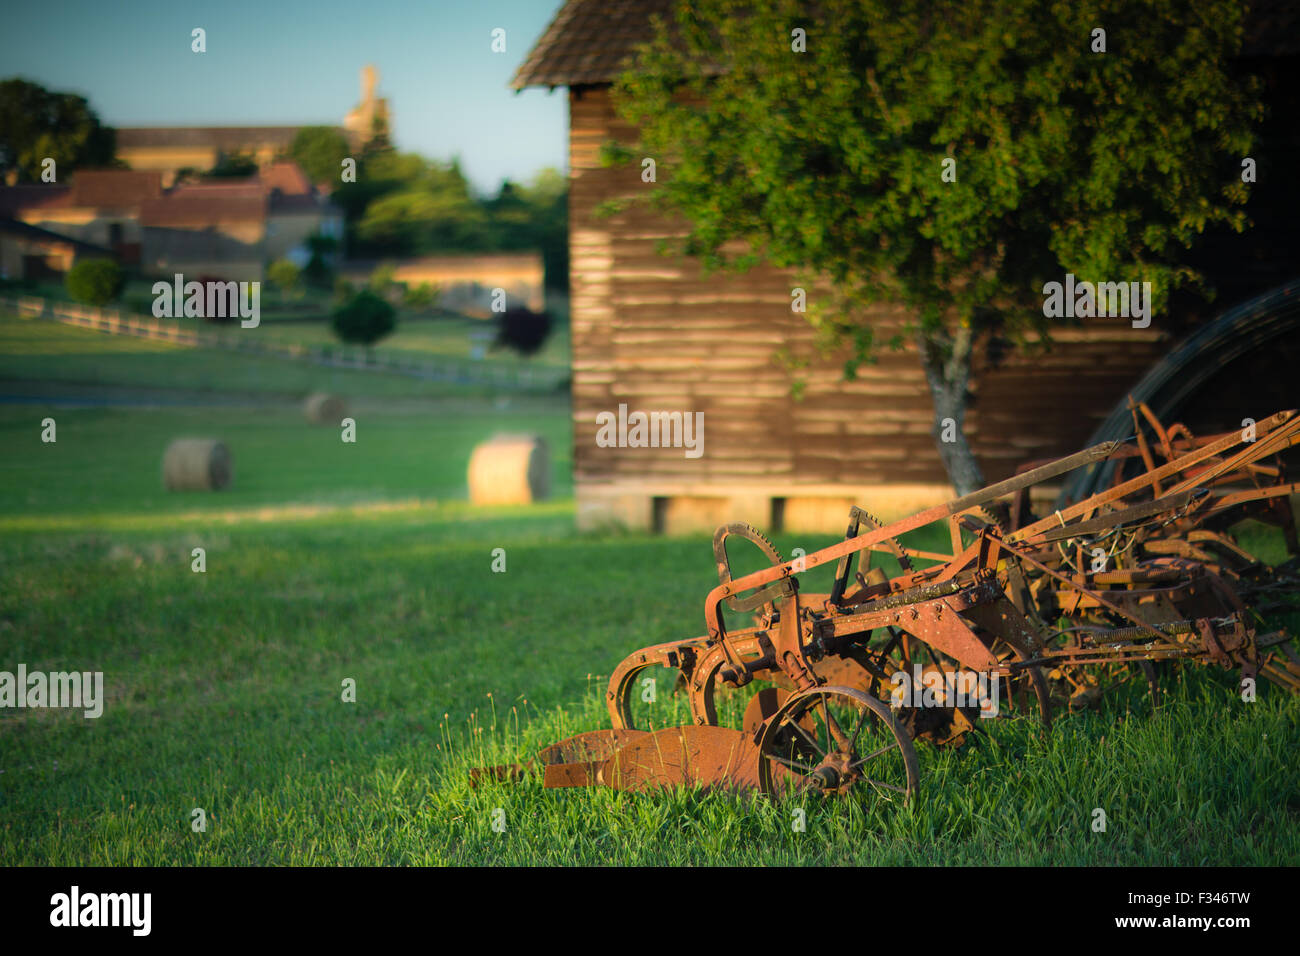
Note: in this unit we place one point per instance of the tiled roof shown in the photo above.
(114, 188)
(16, 199)
(242, 188)
(287, 177)
(199, 211)
(588, 40)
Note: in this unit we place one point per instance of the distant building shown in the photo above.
(171, 149)
(225, 228)
(29, 252)
(370, 119)
(99, 206)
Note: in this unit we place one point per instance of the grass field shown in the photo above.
(304, 320)
(328, 561)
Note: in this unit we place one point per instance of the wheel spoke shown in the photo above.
(859, 762)
(887, 786)
(791, 765)
(862, 719)
(795, 724)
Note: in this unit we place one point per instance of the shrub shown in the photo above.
(95, 281)
(420, 297)
(522, 330)
(343, 290)
(365, 319)
(285, 275)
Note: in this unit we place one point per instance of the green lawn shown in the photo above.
(327, 561)
(421, 335)
(224, 693)
(46, 357)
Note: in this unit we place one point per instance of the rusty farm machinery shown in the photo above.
(1021, 615)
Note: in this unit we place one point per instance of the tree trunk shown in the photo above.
(946, 361)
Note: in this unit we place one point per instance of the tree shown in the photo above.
(235, 165)
(534, 216)
(286, 276)
(833, 161)
(522, 330)
(320, 151)
(365, 319)
(36, 124)
(319, 272)
(422, 296)
(95, 281)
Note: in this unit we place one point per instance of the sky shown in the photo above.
(291, 63)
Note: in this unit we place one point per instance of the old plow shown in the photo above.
(1003, 613)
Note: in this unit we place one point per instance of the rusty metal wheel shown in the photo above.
(1024, 693)
(829, 740)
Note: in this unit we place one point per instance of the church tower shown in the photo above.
(369, 121)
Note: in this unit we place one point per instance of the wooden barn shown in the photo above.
(651, 334)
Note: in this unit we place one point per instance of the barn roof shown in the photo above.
(589, 40)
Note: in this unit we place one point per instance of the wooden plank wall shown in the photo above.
(652, 332)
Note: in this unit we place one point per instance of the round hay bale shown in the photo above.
(324, 409)
(196, 464)
(509, 470)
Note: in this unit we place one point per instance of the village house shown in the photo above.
(228, 228)
(652, 334)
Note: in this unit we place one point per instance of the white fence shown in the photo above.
(453, 371)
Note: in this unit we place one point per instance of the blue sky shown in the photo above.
(294, 63)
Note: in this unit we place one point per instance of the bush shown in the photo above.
(381, 280)
(365, 319)
(343, 290)
(95, 281)
(284, 275)
(522, 330)
(420, 297)
(317, 273)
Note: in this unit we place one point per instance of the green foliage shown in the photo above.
(403, 204)
(830, 161)
(36, 123)
(422, 296)
(320, 151)
(343, 290)
(382, 282)
(522, 330)
(234, 166)
(319, 271)
(364, 320)
(285, 275)
(95, 281)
